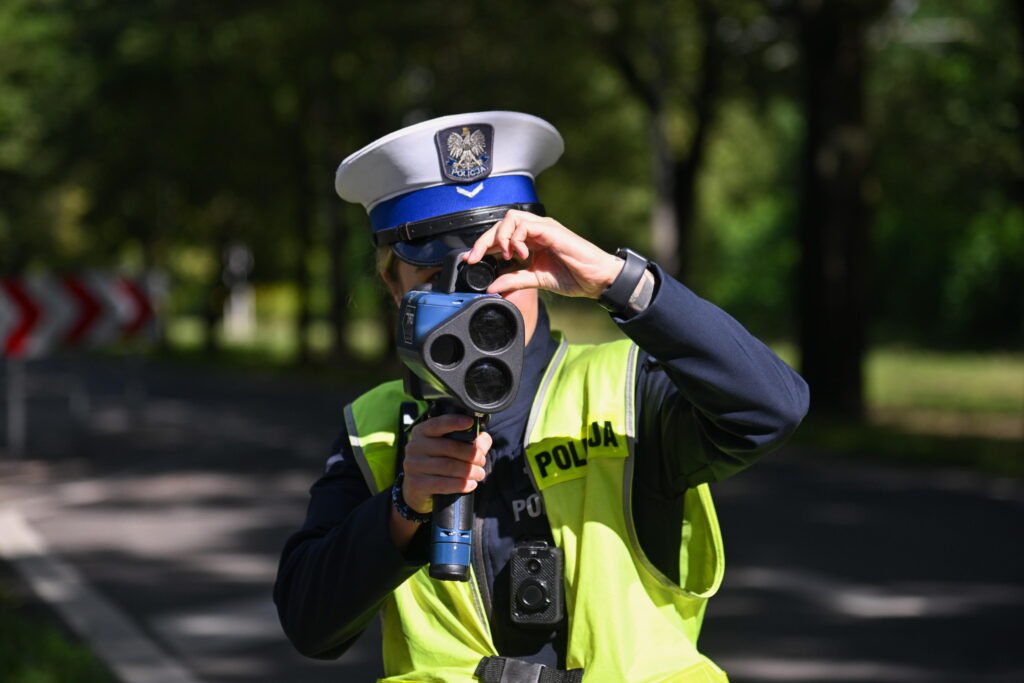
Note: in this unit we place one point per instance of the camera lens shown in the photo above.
(533, 565)
(532, 596)
(447, 351)
(488, 381)
(492, 328)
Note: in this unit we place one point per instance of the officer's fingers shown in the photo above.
(518, 240)
(441, 425)
(510, 282)
(483, 444)
(498, 238)
(484, 242)
(425, 486)
(480, 449)
(547, 233)
(440, 447)
(515, 226)
(525, 229)
(512, 226)
(417, 466)
(444, 467)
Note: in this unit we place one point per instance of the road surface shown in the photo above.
(153, 512)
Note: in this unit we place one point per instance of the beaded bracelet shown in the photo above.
(403, 509)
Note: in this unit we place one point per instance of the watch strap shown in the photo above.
(615, 299)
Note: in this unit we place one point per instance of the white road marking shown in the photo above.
(129, 654)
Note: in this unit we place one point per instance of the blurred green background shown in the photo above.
(844, 177)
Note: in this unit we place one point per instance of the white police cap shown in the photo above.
(467, 168)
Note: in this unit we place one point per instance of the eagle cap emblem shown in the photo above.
(465, 151)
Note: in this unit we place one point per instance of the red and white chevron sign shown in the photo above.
(39, 313)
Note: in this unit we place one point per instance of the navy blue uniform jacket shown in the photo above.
(711, 399)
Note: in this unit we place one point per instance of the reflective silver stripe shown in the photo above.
(474, 588)
(477, 548)
(627, 484)
(538, 402)
(631, 396)
(357, 449)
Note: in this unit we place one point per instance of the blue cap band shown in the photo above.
(441, 200)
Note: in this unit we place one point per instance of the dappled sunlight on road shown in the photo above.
(851, 572)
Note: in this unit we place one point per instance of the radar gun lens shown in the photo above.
(447, 351)
(492, 328)
(488, 381)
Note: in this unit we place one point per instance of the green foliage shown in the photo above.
(746, 228)
(32, 651)
(41, 88)
(945, 96)
(157, 133)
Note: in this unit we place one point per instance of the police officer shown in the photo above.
(605, 456)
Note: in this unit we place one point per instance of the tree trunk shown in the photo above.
(833, 227)
(667, 240)
(303, 233)
(1018, 183)
(214, 309)
(325, 113)
(339, 283)
(685, 169)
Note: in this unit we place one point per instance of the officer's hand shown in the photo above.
(435, 464)
(563, 262)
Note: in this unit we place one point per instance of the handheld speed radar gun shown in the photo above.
(463, 351)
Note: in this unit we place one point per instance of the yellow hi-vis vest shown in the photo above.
(628, 623)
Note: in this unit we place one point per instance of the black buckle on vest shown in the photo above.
(509, 670)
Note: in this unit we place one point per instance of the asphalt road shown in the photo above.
(169, 490)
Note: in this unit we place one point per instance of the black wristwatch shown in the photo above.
(615, 299)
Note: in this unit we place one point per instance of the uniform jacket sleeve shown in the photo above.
(712, 397)
(340, 566)
(711, 400)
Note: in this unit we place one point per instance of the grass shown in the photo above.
(961, 382)
(931, 409)
(34, 651)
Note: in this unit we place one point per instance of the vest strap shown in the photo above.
(408, 413)
(509, 670)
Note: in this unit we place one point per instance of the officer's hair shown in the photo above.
(387, 263)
